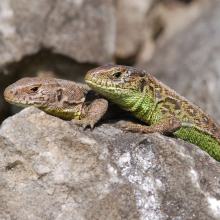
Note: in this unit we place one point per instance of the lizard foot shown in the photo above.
(126, 126)
(84, 123)
(169, 125)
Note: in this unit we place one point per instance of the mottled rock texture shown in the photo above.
(82, 30)
(51, 169)
(131, 26)
(189, 62)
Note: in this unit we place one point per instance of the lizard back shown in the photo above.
(170, 103)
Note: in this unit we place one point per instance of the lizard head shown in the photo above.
(57, 97)
(49, 94)
(29, 91)
(116, 81)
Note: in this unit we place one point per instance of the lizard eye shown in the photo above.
(34, 89)
(117, 74)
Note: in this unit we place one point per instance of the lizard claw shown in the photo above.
(88, 124)
(126, 126)
(84, 123)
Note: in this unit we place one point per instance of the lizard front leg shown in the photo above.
(93, 113)
(165, 126)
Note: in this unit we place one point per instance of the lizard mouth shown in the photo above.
(9, 96)
(19, 103)
(99, 84)
(12, 97)
(93, 83)
(103, 87)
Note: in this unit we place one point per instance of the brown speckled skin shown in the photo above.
(173, 104)
(58, 97)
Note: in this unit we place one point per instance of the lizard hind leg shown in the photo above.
(165, 126)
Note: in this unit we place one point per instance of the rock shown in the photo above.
(166, 19)
(131, 22)
(51, 169)
(81, 30)
(189, 62)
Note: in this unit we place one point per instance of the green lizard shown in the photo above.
(156, 104)
(58, 97)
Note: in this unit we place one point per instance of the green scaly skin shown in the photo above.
(157, 105)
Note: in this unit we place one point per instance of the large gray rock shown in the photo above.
(83, 30)
(189, 62)
(50, 169)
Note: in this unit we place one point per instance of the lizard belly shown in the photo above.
(66, 114)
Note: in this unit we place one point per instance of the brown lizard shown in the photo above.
(62, 98)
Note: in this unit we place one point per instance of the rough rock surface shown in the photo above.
(83, 30)
(166, 19)
(189, 62)
(50, 169)
(131, 23)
